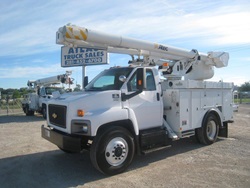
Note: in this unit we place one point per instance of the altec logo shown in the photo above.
(160, 47)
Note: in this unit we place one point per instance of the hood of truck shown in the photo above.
(88, 99)
(90, 102)
(69, 97)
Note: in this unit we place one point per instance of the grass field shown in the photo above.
(245, 100)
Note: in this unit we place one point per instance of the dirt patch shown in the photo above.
(27, 160)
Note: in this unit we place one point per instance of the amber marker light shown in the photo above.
(80, 113)
(165, 64)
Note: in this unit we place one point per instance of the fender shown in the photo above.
(215, 111)
(132, 117)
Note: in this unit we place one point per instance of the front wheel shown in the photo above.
(44, 112)
(112, 151)
(208, 133)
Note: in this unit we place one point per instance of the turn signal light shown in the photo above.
(80, 113)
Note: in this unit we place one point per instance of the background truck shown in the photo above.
(124, 111)
(42, 92)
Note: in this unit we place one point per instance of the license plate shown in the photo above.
(47, 133)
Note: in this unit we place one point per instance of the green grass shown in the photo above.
(247, 100)
(12, 105)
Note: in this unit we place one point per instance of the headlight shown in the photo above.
(82, 127)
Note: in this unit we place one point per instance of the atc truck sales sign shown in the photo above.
(82, 56)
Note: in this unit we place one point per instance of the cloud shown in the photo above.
(227, 29)
(33, 28)
(28, 71)
(27, 35)
(163, 21)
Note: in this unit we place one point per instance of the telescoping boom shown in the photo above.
(201, 64)
(62, 78)
(43, 89)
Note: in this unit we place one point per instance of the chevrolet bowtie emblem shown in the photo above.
(54, 115)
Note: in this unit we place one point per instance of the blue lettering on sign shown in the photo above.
(71, 50)
(80, 56)
(81, 50)
(83, 61)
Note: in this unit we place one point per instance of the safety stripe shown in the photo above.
(71, 29)
(76, 37)
(69, 32)
(67, 35)
(84, 36)
(80, 35)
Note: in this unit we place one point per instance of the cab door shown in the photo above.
(143, 98)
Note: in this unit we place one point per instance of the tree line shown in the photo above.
(244, 87)
(13, 93)
(18, 93)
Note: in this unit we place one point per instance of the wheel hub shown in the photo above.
(211, 130)
(116, 151)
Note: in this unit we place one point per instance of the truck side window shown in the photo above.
(132, 83)
(150, 86)
(42, 91)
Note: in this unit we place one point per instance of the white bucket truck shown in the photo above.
(43, 89)
(132, 110)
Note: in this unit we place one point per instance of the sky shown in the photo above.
(28, 50)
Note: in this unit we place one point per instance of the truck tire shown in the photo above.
(112, 151)
(44, 111)
(29, 112)
(208, 133)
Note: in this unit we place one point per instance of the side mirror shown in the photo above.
(122, 78)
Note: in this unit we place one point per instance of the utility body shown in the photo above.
(140, 108)
(42, 92)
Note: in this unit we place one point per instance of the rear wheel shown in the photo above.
(112, 151)
(28, 112)
(44, 112)
(208, 133)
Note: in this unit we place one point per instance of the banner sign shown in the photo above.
(82, 56)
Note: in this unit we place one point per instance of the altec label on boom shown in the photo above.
(82, 56)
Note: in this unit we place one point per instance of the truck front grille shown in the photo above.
(57, 115)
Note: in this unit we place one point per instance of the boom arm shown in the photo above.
(62, 78)
(153, 53)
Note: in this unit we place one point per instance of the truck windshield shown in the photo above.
(50, 90)
(108, 79)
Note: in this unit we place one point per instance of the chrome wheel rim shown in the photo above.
(211, 130)
(116, 151)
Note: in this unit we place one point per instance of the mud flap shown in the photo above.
(223, 131)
